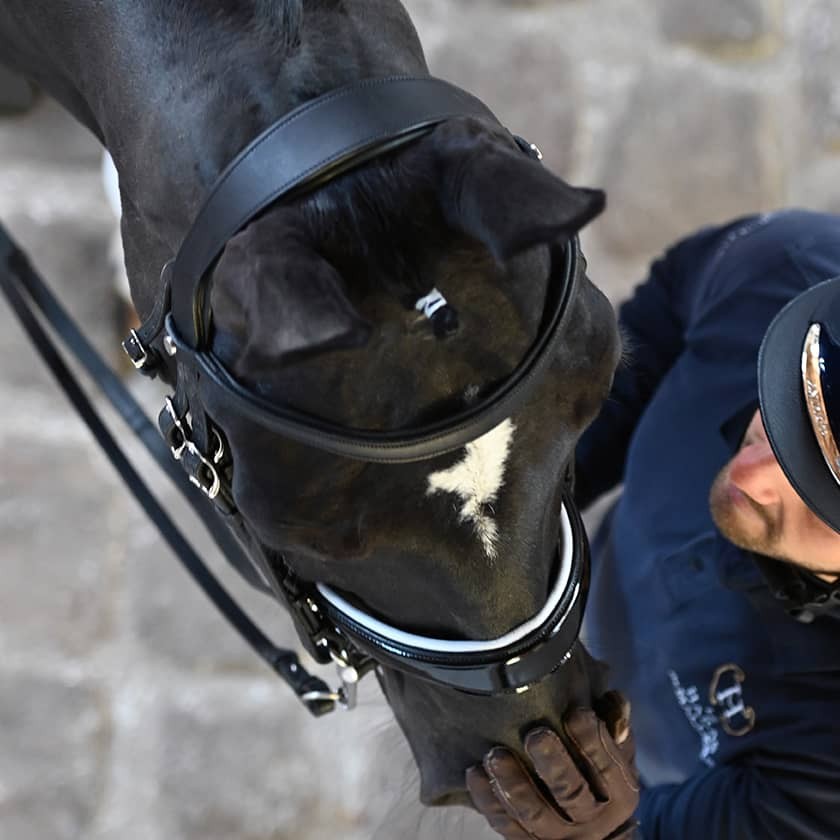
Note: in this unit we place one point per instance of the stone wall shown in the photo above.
(127, 708)
(687, 113)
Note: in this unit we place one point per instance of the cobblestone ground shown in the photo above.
(127, 708)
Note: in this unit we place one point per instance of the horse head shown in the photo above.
(314, 307)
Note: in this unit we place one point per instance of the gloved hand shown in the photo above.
(593, 784)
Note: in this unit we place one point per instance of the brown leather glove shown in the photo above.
(589, 790)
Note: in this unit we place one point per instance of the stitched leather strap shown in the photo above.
(24, 289)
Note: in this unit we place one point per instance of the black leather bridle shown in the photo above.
(303, 150)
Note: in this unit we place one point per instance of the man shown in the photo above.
(715, 594)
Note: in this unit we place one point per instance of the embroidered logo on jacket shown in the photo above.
(700, 717)
(727, 697)
(725, 710)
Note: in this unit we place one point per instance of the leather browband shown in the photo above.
(313, 143)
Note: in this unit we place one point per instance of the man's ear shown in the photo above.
(274, 297)
(489, 189)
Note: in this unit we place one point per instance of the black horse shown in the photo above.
(314, 306)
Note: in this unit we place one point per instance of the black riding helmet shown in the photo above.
(799, 397)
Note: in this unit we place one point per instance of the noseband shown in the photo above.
(305, 149)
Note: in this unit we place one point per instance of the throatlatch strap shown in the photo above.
(18, 280)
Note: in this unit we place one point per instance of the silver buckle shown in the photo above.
(220, 447)
(347, 695)
(211, 490)
(177, 451)
(141, 362)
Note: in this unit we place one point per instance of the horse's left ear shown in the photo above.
(274, 297)
(491, 190)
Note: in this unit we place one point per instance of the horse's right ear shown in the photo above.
(489, 189)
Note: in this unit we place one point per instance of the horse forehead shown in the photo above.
(477, 479)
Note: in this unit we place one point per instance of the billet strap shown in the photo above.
(23, 287)
(315, 142)
(140, 344)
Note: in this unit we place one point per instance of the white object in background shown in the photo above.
(111, 185)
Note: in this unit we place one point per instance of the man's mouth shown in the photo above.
(736, 497)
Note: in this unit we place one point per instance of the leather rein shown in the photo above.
(306, 148)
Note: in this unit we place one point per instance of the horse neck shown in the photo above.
(174, 91)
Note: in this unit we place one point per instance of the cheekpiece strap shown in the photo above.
(142, 346)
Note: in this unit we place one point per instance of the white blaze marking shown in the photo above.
(477, 480)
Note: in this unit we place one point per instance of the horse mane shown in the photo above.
(390, 224)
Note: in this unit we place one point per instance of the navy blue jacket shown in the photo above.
(736, 705)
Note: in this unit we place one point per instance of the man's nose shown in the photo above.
(756, 473)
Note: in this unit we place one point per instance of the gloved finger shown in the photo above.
(629, 831)
(521, 796)
(556, 767)
(614, 709)
(486, 803)
(609, 773)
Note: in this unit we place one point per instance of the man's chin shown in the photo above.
(727, 514)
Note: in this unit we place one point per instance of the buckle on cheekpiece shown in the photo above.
(200, 470)
(173, 429)
(144, 359)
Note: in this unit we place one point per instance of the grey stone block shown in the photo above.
(816, 186)
(58, 540)
(71, 256)
(175, 621)
(48, 134)
(719, 23)
(688, 150)
(52, 202)
(166, 612)
(820, 59)
(56, 212)
(54, 744)
(235, 764)
(516, 66)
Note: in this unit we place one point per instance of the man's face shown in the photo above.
(754, 506)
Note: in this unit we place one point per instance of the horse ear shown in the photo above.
(275, 297)
(492, 191)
